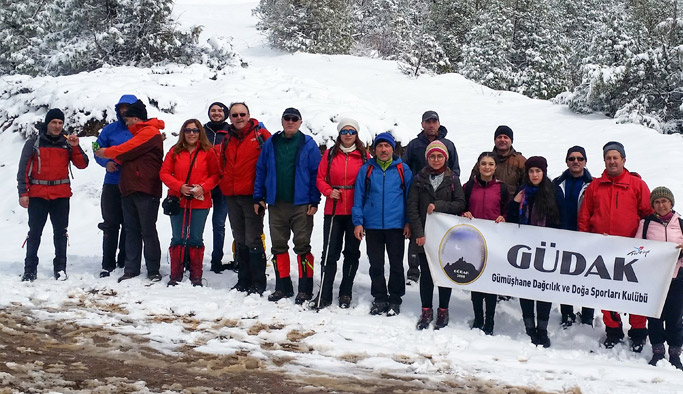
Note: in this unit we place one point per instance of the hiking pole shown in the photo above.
(323, 264)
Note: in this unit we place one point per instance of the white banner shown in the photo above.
(569, 267)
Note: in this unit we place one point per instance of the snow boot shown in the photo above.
(393, 310)
(657, 353)
(344, 301)
(568, 320)
(425, 318)
(196, 263)
(257, 263)
(638, 337)
(542, 334)
(175, 252)
(614, 336)
(244, 271)
(441, 318)
(283, 283)
(305, 288)
(675, 357)
(379, 307)
(488, 324)
(530, 327)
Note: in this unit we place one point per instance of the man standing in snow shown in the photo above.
(45, 189)
(140, 159)
(286, 173)
(614, 204)
(414, 157)
(110, 202)
(379, 211)
(573, 182)
(509, 162)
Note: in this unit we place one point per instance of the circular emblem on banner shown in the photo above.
(462, 254)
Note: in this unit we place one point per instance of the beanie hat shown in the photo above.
(137, 110)
(503, 130)
(292, 111)
(538, 162)
(225, 110)
(436, 146)
(661, 192)
(578, 149)
(614, 145)
(54, 113)
(385, 137)
(347, 122)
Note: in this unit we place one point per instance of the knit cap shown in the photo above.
(137, 110)
(54, 113)
(385, 137)
(538, 162)
(347, 122)
(502, 129)
(576, 148)
(661, 192)
(614, 145)
(436, 146)
(225, 110)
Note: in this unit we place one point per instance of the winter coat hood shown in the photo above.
(125, 99)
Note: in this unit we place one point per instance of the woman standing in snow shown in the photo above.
(189, 170)
(435, 189)
(336, 179)
(537, 203)
(485, 198)
(665, 225)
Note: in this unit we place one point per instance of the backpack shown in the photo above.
(36, 152)
(330, 155)
(647, 221)
(401, 174)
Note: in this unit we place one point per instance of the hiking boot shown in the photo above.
(425, 318)
(611, 341)
(232, 266)
(172, 283)
(61, 275)
(413, 275)
(441, 318)
(154, 276)
(277, 295)
(217, 267)
(530, 328)
(323, 302)
(197, 283)
(542, 338)
(345, 301)
(637, 344)
(394, 310)
(488, 326)
(568, 320)
(675, 357)
(378, 308)
(104, 274)
(240, 287)
(301, 297)
(478, 324)
(126, 277)
(657, 354)
(254, 290)
(28, 277)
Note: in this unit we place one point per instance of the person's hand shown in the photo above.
(518, 197)
(467, 214)
(101, 153)
(311, 210)
(500, 219)
(23, 201)
(73, 139)
(358, 232)
(679, 246)
(111, 166)
(186, 190)
(431, 208)
(335, 194)
(406, 230)
(198, 191)
(259, 208)
(420, 241)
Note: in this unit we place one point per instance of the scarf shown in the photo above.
(347, 150)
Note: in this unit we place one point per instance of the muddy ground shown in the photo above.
(43, 356)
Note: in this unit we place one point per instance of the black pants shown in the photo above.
(671, 318)
(112, 215)
(247, 228)
(38, 211)
(393, 241)
(542, 309)
(341, 235)
(140, 213)
(427, 286)
(478, 300)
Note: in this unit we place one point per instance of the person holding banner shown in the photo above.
(614, 204)
(538, 203)
(486, 197)
(436, 188)
(666, 225)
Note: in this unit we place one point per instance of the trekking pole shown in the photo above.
(323, 264)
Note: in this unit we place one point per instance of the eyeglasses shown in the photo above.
(347, 131)
(189, 130)
(288, 118)
(436, 158)
(573, 158)
(240, 115)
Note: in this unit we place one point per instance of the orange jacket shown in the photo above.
(238, 154)
(205, 173)
(615, 206)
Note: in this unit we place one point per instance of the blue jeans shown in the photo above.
(188, 226)
(220, 213)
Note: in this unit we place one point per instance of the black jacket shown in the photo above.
(414, 155)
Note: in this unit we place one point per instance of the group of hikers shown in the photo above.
(240, 170)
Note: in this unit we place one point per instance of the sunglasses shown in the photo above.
(347, 131)
(189, 130)
(288, 118)
(240, 115)
(576, 158)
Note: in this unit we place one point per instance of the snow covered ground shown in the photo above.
(334, 341)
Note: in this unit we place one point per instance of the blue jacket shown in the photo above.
(115, 133)
(305, 190)
(383, 205)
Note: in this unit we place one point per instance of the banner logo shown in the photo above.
(463, 253)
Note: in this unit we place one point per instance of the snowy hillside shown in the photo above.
(348, 344)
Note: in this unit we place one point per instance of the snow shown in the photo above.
(282, 335)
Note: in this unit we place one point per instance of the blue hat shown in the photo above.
(385, 137)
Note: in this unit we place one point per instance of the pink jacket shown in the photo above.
(658, 231)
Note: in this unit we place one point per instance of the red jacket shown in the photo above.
(238, 154)
(614, 206)
(48, 161)
(343, 173)
(140, 158)
(486, 200)
(205, 173)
